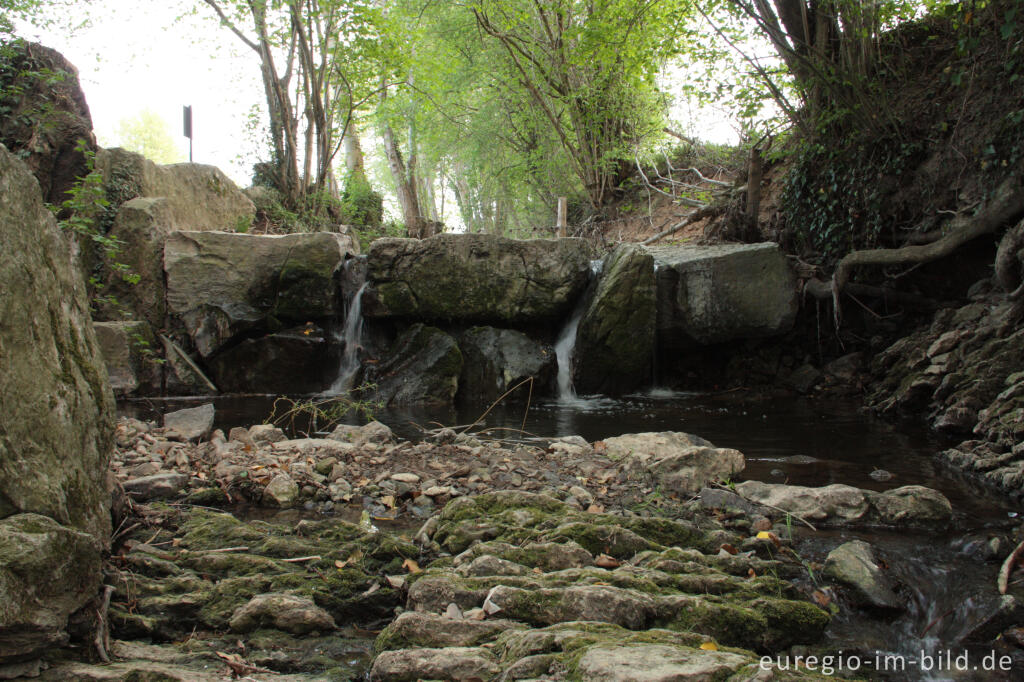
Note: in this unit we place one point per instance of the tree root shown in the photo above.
(1005, 206)
(102, 640)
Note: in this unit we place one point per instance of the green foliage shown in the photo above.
(82, 213)
(148, 133)
(361, 206)
(839, 199)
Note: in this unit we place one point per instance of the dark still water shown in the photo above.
(785, 440)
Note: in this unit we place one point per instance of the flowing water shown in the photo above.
(351, 337)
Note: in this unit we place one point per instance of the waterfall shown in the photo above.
(563, 354)
(352, 337)
(566, 343)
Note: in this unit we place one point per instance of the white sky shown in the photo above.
(134, 56)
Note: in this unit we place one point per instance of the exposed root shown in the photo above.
(1005, 206)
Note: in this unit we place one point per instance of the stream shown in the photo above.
(785, 440)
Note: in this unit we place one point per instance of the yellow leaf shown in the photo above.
(388, 501)
(764, 535)
(411, 566)
(709, 646)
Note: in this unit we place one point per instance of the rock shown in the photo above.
(630, 609)
(854, 565)
(157, 486)
(475, 278)
(291, 613)
(450, 663)
(804, 378)
(495, 360)
(680, 463)
(714, 294)
(56, 406)
(197, 197)
(410, 478)
(422, 367)
(142, 224)
(910, 505)
(48, 117)
(428, 630)
(47, 572)
(288, 362)
(282, 491)
(265, 433)
(193, 423)
(131, 355)
(615, 338)
(656, 663)
(839, 504)
(222, 285)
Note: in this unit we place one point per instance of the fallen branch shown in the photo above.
(1007, 568)
(691, 217)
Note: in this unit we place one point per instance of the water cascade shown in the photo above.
(352, 338)
(566, 343)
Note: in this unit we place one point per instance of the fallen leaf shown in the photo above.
(709, 646)
(821, 599)
(595, 509)
(729, 548)
(751, 573)
(605, 561)
(538, 571)
(411, 566)
(373, 588)
(388, 501)
(768, 535)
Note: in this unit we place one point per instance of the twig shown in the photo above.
(300, 559)
(225, 549)
(1007, 568)
(495, 403)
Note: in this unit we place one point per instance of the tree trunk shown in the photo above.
(406, 190)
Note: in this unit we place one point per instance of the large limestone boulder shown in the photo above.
(495, 360)
(198, 197)
(615, 338)
(56, 422)
(475, 278)
(297, 360)
(142, 224)
(47, 116)
(714, 294)
(47, 571)
(679, 462)
(221, 285)
(844, 505)
(130, 351)
(422, 367)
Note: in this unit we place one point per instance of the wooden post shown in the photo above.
(563, 210)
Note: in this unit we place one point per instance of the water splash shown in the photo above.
(565, 345)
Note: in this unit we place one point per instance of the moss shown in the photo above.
(601, 539)
(227, 596)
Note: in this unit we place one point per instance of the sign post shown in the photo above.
(187, 118)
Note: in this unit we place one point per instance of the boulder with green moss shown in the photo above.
(476, 278)
(222, 286)
(615, 339)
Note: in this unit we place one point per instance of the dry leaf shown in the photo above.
(605, 561)
(729, 548)
(538, 571)
(709, 646)
(595, 509)
(821, 599)
(751, 573)
(388, 501)
(768, 535)
(411, 566)
(373, 588)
